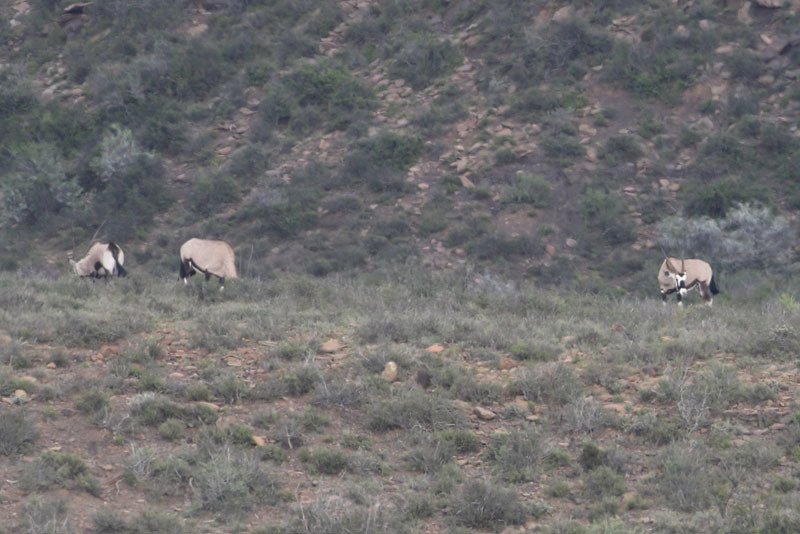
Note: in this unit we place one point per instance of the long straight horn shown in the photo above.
(683, 266)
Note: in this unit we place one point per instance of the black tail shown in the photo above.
(182, 272)
(115, 252)
(713, 286)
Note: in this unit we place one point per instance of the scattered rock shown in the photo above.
(435, 348)
(571, 243)
(332, 345)
(483, 413)
(507, 363)
(743, 15)
(389, 372)
(197, 29)
(259, 441)
(466, 182)
(20, 396)
(563, 14)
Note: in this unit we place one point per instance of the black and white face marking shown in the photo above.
(680, 281)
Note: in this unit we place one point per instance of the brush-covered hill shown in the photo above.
(447, 217)
(548, 139)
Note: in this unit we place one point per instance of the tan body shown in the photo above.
(680, 275)
(208, 256)
(103, 259)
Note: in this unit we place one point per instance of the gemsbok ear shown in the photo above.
(669, 265)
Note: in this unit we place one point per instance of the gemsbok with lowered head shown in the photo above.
(103, 259)
(692, 274)
(209, 257)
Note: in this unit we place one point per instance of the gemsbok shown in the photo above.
(103, 259)
(209, 257)
(692, 274)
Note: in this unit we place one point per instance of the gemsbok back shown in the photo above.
(103, 259)
(692, 274)
(209, 257)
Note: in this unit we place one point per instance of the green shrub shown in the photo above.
(620, 149)
(171, 429)
(37, 188)
(717, 198)
(553, 382)
(604, 212)
(482, 505)
(448, 107)
(421, 58)
(603, 482)
(414, 408)
(212, 193)
(92, 401)
(464, 441)
(231, 389)
(528, 189)
(648, 70)
(328, 516)
(198, 392)
(499, 245)
(17, 432)
(564, 149)
(230, 482)
(62, 470)
(389, 150)
(687, 477)
(153, 410)
(46, 516)
(723, 149)
(325, 460)
(516, 455)
(537, 352)
(744, 65)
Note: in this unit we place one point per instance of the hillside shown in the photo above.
(448, 216)
(531, 138)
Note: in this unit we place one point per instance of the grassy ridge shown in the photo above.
(583, 413)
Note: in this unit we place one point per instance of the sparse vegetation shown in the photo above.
(470, 197)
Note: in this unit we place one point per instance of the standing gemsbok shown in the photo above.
(103, 259)
(693, 273)
(209, 257)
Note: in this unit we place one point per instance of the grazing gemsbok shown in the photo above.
(103, 259)
(693, 273)
(209, 257)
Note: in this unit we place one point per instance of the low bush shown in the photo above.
(41, 515)
(325, 460)
(620, 149)
(553, 382)
(414, 409)
(484, 505)
(17, 432)
(528, 189)
(687, 477)
(62, 470)
(420, 58)
(516, 455)
(229, 482)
